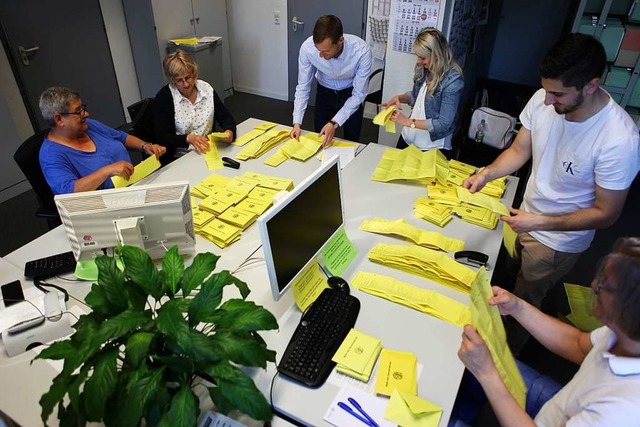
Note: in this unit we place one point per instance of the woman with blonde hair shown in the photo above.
(185, 110)
(437, 88)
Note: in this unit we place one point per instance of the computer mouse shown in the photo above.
(338, 283)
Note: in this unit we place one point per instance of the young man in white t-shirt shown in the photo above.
(585, 154)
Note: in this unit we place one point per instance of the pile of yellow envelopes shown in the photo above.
(357, 354)
(424, 300)
(230, 205)
(428, 239)
(302, 149)
(433, 265)
(434, 212)
(254, 133)
(263, 143)
(476, 215)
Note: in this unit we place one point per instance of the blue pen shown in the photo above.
(365, 418)
(359, 408)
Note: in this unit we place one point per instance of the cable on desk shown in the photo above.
(247, 259)
(275, 411)
(41, 284)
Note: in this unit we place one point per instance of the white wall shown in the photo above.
(258, 47)
(398, 75)
(118, 37)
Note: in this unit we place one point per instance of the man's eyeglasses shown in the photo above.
(79, 113)
(601, 286)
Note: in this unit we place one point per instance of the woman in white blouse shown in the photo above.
(185, 110)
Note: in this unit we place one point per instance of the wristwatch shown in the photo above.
(144, 144)
(334, 123)
(413, 124)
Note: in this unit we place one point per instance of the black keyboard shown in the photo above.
(322, 329)
(50, 266)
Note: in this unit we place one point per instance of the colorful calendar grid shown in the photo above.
(411, 17)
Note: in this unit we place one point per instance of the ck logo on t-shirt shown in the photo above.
(570, 167)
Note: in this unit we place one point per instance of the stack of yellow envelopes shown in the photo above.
(482, 200)
(397, 370)
(357, 354)
(236, 202)
(212, 155)
(446, 195)
(476, 215)
(383, 118)
(220, 233)
(201, 218)
(238, 217)
(433, 265)
(431, 211)
(410, 164)
(253, 134)
(263, 143)
(302, 149)
(496, 187)
(425, 300)
(428, 239)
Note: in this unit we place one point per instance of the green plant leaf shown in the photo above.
(203, 347)
(137, 348)
(238, 389)
(121, 324)
(145, 387)
(201, 267)
(139, 267)
(58, 350)
(158, 407)
(99, 303)
(182, 366)
(55, 394)
(243, 348)
(101, 384)
(111, 279)
(75, 397)
(122, 411)
(184, 408)
(173, 268)
(208, 299)
(171, 322)
(223, 405)
(240, 315)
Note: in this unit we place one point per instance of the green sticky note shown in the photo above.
(338, 253)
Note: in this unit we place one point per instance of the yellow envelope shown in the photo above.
(212, 156)
(265, 126)
(407, 410)
(383, 119)
(509, 238)
(141, 170)
(192, 41)
(397, 370)
(217, 136)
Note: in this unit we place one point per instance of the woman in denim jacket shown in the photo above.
(437, 88)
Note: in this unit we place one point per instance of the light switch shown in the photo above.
(276, 17)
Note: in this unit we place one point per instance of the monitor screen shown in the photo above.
(153, 217)
(296, 228)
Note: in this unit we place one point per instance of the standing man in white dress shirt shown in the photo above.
(341, 63)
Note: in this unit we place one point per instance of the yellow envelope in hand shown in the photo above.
(407, 410)
(383, 119)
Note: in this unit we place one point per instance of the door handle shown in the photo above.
(26, 52)
(296, 23)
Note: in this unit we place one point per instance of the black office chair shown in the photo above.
(376, 97)
(142, 119)
(27, 158)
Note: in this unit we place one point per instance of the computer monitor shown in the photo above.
(296, 228)
(154, 217)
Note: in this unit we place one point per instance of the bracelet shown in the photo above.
(334, 123)
(142, 150)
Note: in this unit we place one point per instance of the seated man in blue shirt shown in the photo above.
(81, 154)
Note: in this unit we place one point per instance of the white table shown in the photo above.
(433, 341)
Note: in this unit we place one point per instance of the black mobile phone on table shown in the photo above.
(12, 293)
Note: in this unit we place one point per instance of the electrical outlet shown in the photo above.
(276, 17)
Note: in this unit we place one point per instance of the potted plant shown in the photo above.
(151, 337)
